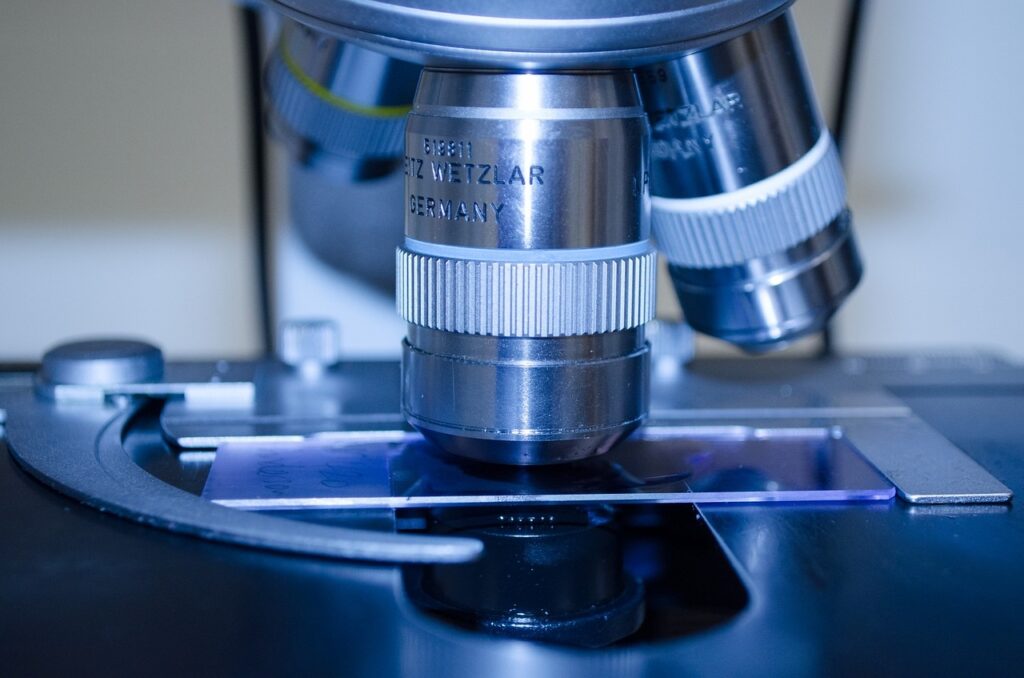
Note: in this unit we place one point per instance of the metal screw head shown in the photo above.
(672, 346)
(310, 344)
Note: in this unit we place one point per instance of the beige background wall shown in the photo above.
(121, 174)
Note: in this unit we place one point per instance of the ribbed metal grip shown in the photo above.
(334, 125)
(763, 218)
(526, 299)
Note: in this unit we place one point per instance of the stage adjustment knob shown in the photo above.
(102, 362)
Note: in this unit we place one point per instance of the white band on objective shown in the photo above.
(765, 217)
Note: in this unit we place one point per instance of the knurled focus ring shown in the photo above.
(333, 125)
(766, 217)
(526, 299)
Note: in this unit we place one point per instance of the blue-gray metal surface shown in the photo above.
(532, 33)
(78, 451)
(834, 590)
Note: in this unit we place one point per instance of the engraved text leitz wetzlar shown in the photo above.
(450, 161)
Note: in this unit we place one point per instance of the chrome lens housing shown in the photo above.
(526, 276)
(749, 201)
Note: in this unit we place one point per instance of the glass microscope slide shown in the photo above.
(394, 469)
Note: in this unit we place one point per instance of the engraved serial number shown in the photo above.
(447, 148)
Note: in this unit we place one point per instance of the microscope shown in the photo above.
(546, 482)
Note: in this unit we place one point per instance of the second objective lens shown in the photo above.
(749, 200)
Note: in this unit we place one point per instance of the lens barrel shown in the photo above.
(340, 112)
(330, 98)
(526, 275)
(749, 200)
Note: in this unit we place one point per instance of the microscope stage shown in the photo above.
(794, 588)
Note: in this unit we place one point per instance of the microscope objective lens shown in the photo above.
(526, 276)
(749, 200)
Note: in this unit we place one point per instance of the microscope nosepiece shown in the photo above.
(526, 275)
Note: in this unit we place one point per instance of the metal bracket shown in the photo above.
(196, 394)
(79, 453)
(924, 466)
